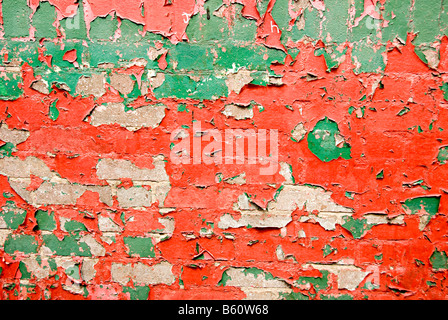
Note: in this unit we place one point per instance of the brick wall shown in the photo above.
(223, 149)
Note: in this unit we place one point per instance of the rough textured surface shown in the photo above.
(105, 104)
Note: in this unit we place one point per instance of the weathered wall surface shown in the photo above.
(93, 205)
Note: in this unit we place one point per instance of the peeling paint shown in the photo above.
(93, 207)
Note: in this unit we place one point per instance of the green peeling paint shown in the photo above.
(370, 286)
(349, 195)
(369, 36)
(22, 51)
(67, 246)
(26, 275)
(256, 272)
(6, 150)
(224, 278)
(431, 283)
(351, 109)
(135, 93)
(331, 55)
(397, 12)
(421, 183)
(311, 20)
(73, 272)
(380, 175)
(403, 111)
(142, 247)
(181, 282)
(209, 27)
(12, 215)
(430, 205)
(54, 112)
(439, 260)
(250, 57)
(189, 57)
(442, 156)
(183, 86)
(7, 195)
(9, 286)
(335, 22)
(293, 296)
(16, 18)
(138, 292)
(73, 226)
(319, 283)
(182, 108)
(419, 262)
(199, 257)
(10, 86)
(444, 88)
(45, 221)
(57, 52)
(130, 31)
(327, 250)
(426, 21)
(322, 141)
(369, 58)
(357, 227)
(75, 27)
(103, 28)
(43, 21)
(20, 243)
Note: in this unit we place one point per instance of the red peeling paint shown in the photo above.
(162, 61)
(35, 183)
(70, 56)
(268, 31)
(250, 10)
(170, 21)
